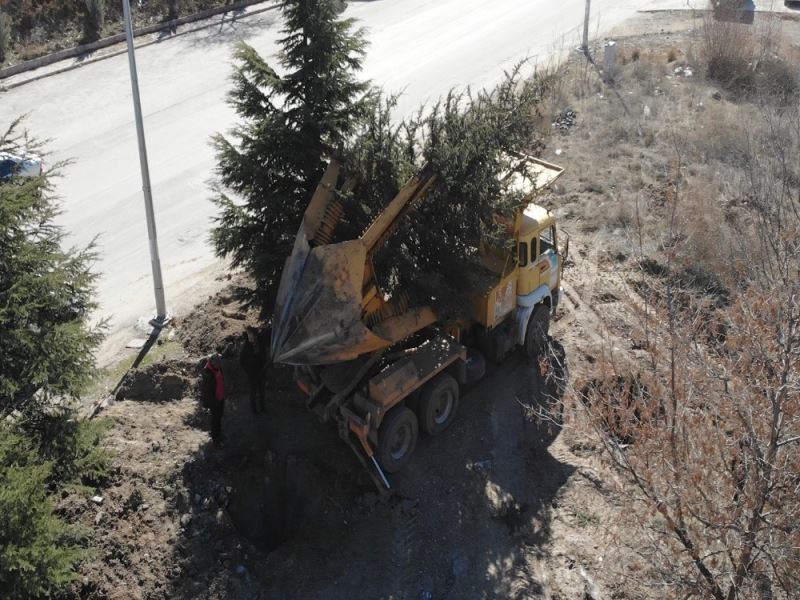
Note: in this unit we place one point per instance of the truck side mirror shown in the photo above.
(564, 250)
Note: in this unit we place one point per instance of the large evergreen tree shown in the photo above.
(46, 354)
(45, 297)
(292, 121)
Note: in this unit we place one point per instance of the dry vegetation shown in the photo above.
(37, 27)
(683, 332)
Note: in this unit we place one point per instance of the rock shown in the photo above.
(647, 112)
(591, 591)
(97, 499)
(186, 518)
(234, 314)
(98, 518)
(460, 567)
(565, 121)
(480, 465)
(716, 95)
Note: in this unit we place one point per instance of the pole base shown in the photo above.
(161, 321)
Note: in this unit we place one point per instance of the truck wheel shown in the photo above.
(438, 403)
(536, 333)
(397, 438)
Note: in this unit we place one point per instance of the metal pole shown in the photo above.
(585, 46)
(158, 284)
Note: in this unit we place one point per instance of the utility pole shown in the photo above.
(585, 45)
(158, 284)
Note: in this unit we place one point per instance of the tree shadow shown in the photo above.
(231, 29)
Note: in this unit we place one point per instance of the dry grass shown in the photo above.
(624, 150)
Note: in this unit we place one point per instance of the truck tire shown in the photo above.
(397, 438)
(437, 404)
(536, 332)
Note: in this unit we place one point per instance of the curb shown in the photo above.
(119, 38)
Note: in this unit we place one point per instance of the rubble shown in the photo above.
(565, 120)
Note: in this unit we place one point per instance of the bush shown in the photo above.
(729, 51)
(94, 17)
(38, 551)
(5, 37)
(173, 10)
(777, 80)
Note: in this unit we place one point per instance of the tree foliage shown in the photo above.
(94, 17)
(292, 121)
(38, 551)
(45, 297)
(47, 359)
(467, 140)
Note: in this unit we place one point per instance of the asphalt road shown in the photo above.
(418, 47)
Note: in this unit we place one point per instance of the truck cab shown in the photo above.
(515, 308)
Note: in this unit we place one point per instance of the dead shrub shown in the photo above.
(729, 50)
(672, 55)
(722, 135)
(777, 80)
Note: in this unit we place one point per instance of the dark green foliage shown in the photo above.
(173, 10)
(45, 298)
(38, 551)
(47, 359)
(93, 19)
(72, 448)
(5, 37)
(290, 125)
(465, 140)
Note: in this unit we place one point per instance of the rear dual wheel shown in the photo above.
(434, 411)
(397, 438)
(437, 404)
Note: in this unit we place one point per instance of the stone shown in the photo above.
(186, 518)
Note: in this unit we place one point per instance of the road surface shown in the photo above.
(418, 47)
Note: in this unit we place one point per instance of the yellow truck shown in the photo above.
(382, 369)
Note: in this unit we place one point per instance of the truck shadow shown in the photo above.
(285, 510)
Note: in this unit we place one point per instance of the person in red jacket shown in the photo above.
(213, 394)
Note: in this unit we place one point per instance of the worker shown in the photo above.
(212, 393)
(253, 359)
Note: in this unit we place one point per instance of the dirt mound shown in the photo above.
(218, 323)
(159, 382)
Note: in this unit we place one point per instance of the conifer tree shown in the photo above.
(46, 354)
(45, 297)
(291, 123)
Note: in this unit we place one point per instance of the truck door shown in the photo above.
(545, 265)
(528, 276)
